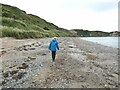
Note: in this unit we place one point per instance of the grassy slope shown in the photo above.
(86, 33)
(16, 23)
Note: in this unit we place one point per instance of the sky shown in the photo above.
(101, 15)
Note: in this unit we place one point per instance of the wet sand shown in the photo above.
(27, 63)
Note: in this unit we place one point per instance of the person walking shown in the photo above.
(53, 47)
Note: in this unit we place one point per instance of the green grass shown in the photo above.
(21, 34)
(18, 24)
(22, 19)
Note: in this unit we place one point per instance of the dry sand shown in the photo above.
(27, 63)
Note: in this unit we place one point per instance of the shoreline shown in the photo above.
(106, 41)
(79, 64)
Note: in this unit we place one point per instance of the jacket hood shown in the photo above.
(54, 40)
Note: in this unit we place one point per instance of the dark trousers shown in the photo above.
(53, 55)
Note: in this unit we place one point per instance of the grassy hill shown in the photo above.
(17, 23)
(87, 33)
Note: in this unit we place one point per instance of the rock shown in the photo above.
(32, 58)
(72, 46)
(41, 65)
(37, 44)
(82, 86)
(19, 49)
(25, 49)
(110, 82)
(3, 52)
(19, 75)
(105, 85)
(43, 54)
(90, 67)
(12, 66)
(116, 73)
(2, 48)
(13, 72)
(116, 85)
(24, 46)
(28, 46)
(4, 82)
(31, 48)
(6, 74)
(110, 75)
(27, 60)
(24, 66)
(33, 43)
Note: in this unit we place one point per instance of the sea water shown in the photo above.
(107, 41)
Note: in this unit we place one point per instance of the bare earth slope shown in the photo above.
(79, 64)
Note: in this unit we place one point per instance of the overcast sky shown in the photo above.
(73, 14)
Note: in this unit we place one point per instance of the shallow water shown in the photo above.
(107, 41)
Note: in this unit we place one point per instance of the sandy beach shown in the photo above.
(27, 63)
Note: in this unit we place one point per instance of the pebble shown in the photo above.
(13, 72)
(106, 85)
(6, 74)
(4, 82)
(31, 48)
(32, 58)
(19, 75)
(43, 54)
(23, 66)
(3, 51)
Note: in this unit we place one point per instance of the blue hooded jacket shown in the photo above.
(53, 46)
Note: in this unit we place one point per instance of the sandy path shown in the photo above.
(79, 64)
